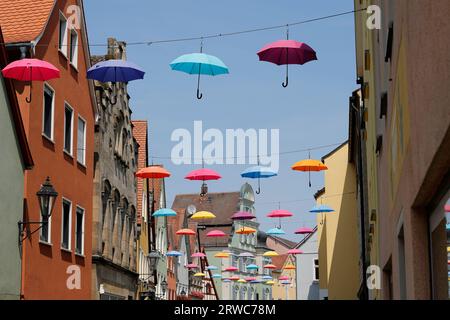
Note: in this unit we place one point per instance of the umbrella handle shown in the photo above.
(28, 99)
(285, 84)
(199, 95)
(113, 99)
(259, 187)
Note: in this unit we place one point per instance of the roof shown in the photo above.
(24, 20)
(305, 239)
(279, 261)
(15, 111)
(223, 205)
(140, 135)
(285, 242)
(329, 154)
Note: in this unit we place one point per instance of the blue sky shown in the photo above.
(312, 111)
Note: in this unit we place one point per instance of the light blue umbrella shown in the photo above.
(211, 268)
(252, 267)
(216, 276)
(267, 278)
(164, 213)
(199, 63)
(258, 172)
(285, 282)
(321, 209)
(255, 281)
(245, 255)
(275, 231)
(174, 254)
(226, 280)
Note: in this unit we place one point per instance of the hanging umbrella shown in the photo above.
(309, 165)
(115, 70)
(199, 63)
(275, 232)
(246, 230)
(284, 278)
(174, 254)
(252, 267)
(185, 232)
(267, 278)
(30, 70)
(270, 282)
(259, 173)
(216, 234)
(199, 274)
(256, 281)
(226, 280)
(192, 266)
(280, 214)
(249, 279)
(222, 255)
(243, 215)
(202, 215)
(242, 281)
(321, 209)
(289, 267)
(198, 255)
(270, 266)
(211, 268)
(304, 231)
(216, 276)
(231, 269)
(295, 251)
(270, 254)
(245, 255)
(164, 213)
(153, 172)
(203, 175)
(234, 278)
(285, 282)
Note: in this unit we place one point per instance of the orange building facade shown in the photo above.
(59, 123)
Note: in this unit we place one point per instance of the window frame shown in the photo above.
(52, 117)
(83, 163)
(69, 228)
(62, 48)
(73, 57)
(68, 106)
(83, 226)
(316, 266)
(47, 241)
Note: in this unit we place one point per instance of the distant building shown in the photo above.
(280, 245)
(114, 218)
(281, 290)
(307, 265)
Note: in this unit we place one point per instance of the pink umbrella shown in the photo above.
(203, 175)
(243, 215)
(248, 279)
(280, 214)
(30, 70)
(286, 52)
(295, 251)
(216, 234)
(198, 255)
(304, 231)
(231, 269)
(283, 278)
(192, 266)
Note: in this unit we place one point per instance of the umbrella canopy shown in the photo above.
(186, 232)
(286, 52)
(270, 254)
(245, 255)
(216, 276)
(211, 268)
(269, 266)
(231, 269)
(243, 215)
(252, 267)
(222, 255)
(242, 281)
(255, 281)
(258, 172)
(295, 251)
(203, 175)
(304, 231)
(216, 234)
(250, 279)
(234, 278)
(246, 230)
(285, 282)
(309, 165)
(203, 215)
(164, 213)
(283, 278)
(199, 274)
(173, 254)
(289, 267)
(153, 172)
(321, 209)
(280, 214)
(270, 282)
(198, 255)
(267, 278)
(30, 70)
(275, 231)
(199, 63)
(226, 280)
(191, 266)
(115, 70)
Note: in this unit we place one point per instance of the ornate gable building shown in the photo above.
(114, 217)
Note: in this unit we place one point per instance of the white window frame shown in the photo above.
(69, 152)
(83, 162)
(69, 242)
(82, 230)
(64, 45)
(74, 59)
(52, 123)
(314, 269)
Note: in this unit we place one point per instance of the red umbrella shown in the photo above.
(185, 232)
(280, 214)
(232, 268)
(203, 175)
(304, 231)
(286, 52)
(295, 251)
(153, 172)
(30, 70)
(216, 234)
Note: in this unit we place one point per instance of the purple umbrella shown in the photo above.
(115, 70)
(286, 52)
(243, 215)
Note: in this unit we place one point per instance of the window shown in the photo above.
(73, 56)
(68, 125)
(66, 225)
(62, 44)
(47, 119)
(79, 231)
(81, 141)
(316, 269)
(45, 229)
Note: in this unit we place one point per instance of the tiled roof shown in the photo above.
(285, 242)
(140, 134)
(24, 20)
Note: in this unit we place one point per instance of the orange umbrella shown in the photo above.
(309, 165)
(270, 266)
(153, 172)
(186, 232)
(245, 230)
(289, 267)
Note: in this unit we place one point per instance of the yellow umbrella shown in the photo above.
(245, 230)
(270, 282)
(289, 267)
(202, 215)
(309, 165)
(199, 274)
(222, 255)
(270, 254)
(242, 281)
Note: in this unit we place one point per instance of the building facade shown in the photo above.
(307, 265)
(114, 217)
(59, 124)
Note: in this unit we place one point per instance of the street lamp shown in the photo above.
(153, 256)
(163, 289)
(46, 196)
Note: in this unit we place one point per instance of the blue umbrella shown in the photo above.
(321, 209)
(255, 281)
(216, 276)
(173, 254)
(226, 280)
(164, 213)
(252, 267)
(199, 63)
(286, 282)
(275, 231)
(258, 172)
(211, 268)
(267, 278)
(115, 70)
